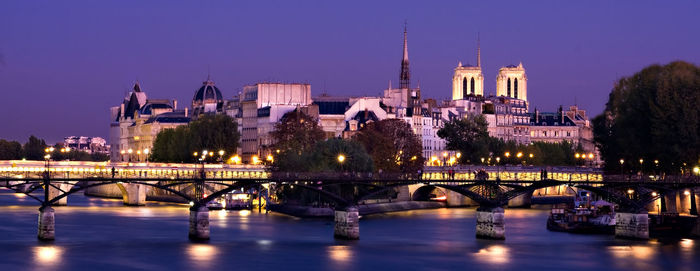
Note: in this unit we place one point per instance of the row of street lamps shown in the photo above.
(145, 151)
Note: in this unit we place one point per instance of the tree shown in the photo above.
(469, 136)
(652, 115)
(323, 157)
(34, 148)
(392, 145)
(208, 132)
(10, 150)
(296, 131)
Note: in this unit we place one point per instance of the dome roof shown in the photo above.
(207, 99)
(207, 94)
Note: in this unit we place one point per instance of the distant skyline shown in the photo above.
(64, 64)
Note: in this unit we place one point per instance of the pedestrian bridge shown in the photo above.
(347, 190)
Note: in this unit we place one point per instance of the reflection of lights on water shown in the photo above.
(340, 253)
(221, 213)
(636, 252)
(687, 243)
(20, 195)
(201, 254)
(264, 242)
(495, 254)
(47, 255)
(244, 212)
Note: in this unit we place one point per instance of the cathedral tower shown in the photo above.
(468, 79)
(512, 82)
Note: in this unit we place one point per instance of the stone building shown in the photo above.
(137, 121)
(262, 106)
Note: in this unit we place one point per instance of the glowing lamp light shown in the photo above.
(686, 192)
(269, 158)
(630, 191)
(654, 194)
(341, 158)
(507, 154)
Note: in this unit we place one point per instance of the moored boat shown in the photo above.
(585, 216)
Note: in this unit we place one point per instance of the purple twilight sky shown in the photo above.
(64, 63)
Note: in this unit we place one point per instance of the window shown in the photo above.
(464, 87)
(472, 85)
(515, 88)
(508, 88)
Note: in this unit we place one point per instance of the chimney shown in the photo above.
(174, 104)
(121, 111)
(186, 111)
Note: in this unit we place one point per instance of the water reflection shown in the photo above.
(47, 255)
(636, 257)
(340, 254)
(202, 255)
(495, 254)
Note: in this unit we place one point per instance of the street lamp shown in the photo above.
(130, 151)
(641, 169)
(341, 158)
(622, 162)
(236, 159)
(221, 156)
(498, 167)
(146, 151)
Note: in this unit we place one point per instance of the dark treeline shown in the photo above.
(652, 117)
(470, 137)
(35, 149)
(384, 146)
(208, 132)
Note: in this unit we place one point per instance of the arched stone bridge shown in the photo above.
(346, 191)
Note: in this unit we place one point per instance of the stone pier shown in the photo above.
(64, 188)
(133, 194)
(490, 223)
(632, 225)
(347, 224)
(47, 224)
(199, 223)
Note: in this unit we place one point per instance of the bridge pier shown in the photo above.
(133, 194)
(54, 192)
(47, 224)
(24, 188)
(199, 223)
(490, 223)
(347, 224)
(632, 225)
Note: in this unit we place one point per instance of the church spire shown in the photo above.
(478, 50)
(404, 77)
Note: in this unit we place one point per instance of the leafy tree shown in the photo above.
(653, 115)
(34, 148)
(296, 131)
(469, 136)
(323, 157)
(208, 132)
(10, 150)
(392, 145)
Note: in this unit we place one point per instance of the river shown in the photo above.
(101, 234)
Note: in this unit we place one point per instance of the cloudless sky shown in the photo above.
(64, 63)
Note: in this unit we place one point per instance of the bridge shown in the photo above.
(347, 190)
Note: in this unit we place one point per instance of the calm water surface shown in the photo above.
(100, 234)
